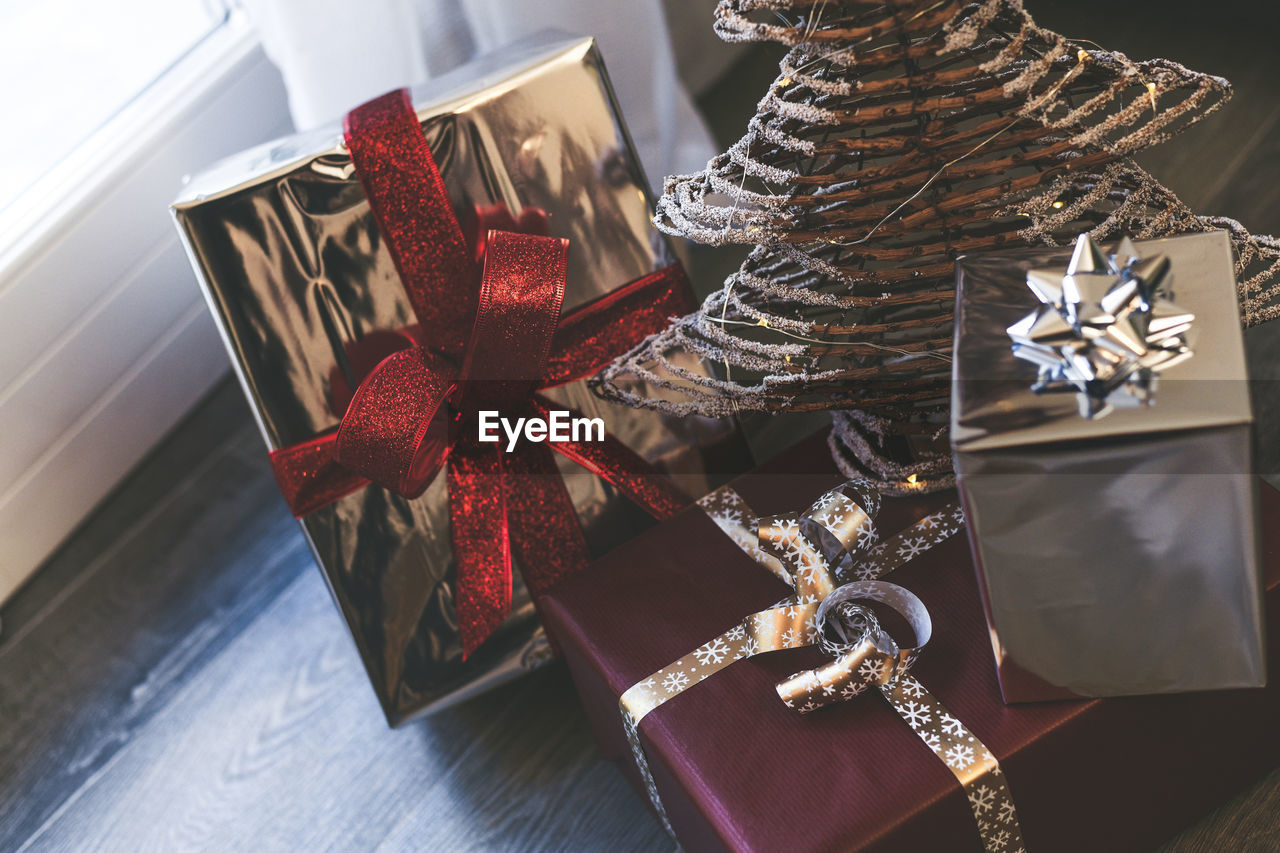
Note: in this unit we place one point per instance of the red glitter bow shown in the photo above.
(490, 348)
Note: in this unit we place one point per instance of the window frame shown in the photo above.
(105, 339)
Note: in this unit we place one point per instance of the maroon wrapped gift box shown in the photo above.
(737, 770)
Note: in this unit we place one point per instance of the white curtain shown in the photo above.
(335, 54)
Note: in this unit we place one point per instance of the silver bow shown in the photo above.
(1107, 323)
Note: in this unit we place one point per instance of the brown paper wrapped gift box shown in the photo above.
(737, 770)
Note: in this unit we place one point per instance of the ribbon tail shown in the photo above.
(615, 463)
(310, 478)
(592, 335)
(903, 545)
(395, 431)
(481, 542)
(974, 765)
(546, 537)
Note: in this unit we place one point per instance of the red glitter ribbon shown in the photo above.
(491, 347)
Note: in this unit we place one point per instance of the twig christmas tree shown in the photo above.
(898, 135)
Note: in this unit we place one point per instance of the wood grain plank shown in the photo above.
(80, 673)
(222, 412)
(278, 745)
(1246, 824)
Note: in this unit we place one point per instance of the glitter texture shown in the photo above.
(414, 413)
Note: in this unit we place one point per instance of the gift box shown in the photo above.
(379, 287)
(736, 769)
(1114, 528)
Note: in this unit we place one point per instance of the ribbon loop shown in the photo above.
(396, 429)
(517, 313)
(901, 600)
(867, 656)
(852, 623)
(842, 523)
(820, 544)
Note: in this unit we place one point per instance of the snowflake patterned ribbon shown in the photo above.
(867, 657)
(1106, 324)
(835, 542)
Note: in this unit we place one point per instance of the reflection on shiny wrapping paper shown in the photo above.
(1116, 555)
(304, 292)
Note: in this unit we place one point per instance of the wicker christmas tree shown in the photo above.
(898, 135)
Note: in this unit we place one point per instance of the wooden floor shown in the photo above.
(176, 677)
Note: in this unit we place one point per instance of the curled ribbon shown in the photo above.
(865, 655)
(491, 346)
(835, 542)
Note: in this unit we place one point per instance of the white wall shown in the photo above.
(105, 342)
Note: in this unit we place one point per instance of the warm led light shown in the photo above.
(1082, 55)
(1058, 205)
(911, 480)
